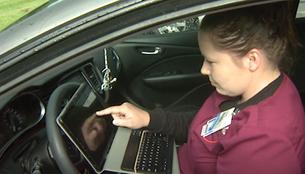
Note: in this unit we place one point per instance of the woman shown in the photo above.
(254, 122)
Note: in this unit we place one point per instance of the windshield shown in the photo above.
(12, 11)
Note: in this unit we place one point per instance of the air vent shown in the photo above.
(91, 76)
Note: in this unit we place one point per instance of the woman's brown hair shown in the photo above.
(268, 27)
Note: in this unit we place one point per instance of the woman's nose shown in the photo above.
(205, 69)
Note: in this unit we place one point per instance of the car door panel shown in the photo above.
(167, 69)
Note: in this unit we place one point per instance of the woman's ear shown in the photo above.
(253, 59)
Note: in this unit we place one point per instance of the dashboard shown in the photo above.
(27, 110)
(23, 113)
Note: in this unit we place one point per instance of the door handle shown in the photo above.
(157, 50)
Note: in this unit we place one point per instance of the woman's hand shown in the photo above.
(127, 115)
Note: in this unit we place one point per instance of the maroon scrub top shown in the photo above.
(264, 138)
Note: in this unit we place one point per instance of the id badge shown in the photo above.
(220, 121)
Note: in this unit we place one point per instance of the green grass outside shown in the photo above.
(12, 10)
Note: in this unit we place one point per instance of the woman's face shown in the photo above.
(227, 73)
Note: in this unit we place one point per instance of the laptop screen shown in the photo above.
(92, 135)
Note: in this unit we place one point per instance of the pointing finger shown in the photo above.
(110, 110)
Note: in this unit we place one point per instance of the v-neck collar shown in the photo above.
(261, 95)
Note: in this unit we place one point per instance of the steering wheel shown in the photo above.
(56, 142)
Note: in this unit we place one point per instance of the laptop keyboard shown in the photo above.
(148, 152)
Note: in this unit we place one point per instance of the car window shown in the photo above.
(185, 25)
(192, 24)
(180, 26)
(13, 10)
(301, 9)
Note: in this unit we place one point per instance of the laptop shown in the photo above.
(148, 152)
(106, 147)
